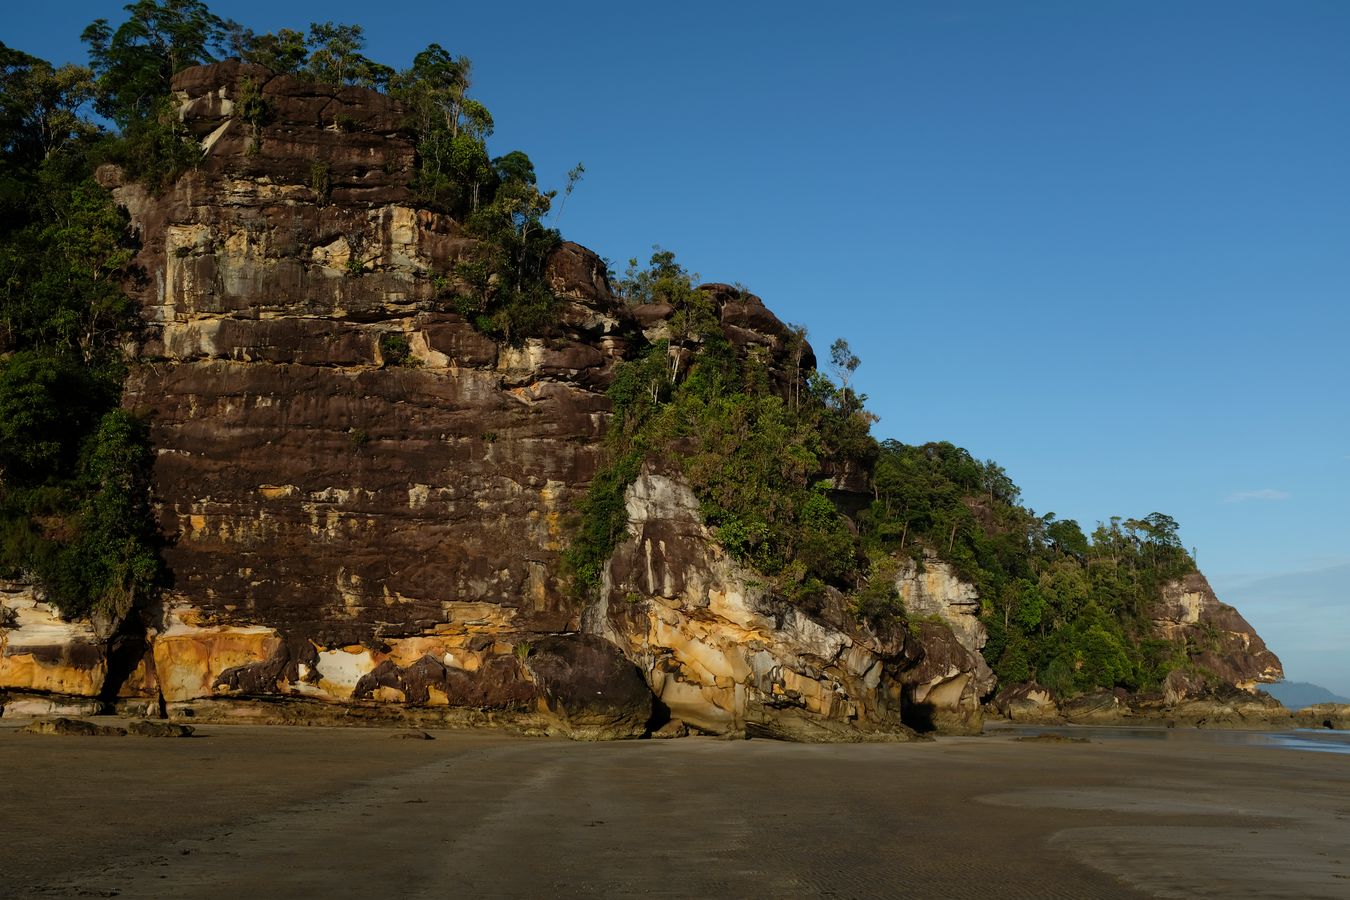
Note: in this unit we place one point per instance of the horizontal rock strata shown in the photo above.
(365, 500)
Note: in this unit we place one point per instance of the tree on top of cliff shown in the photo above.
(335, 57)
(136, 61)
(284, 51)
(134, 65)
(844, 361)
(1070, 612)
(435, 88)
(504, 291)
(755, 460)
(454, 172)
(692, 314)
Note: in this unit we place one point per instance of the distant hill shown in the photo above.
(1298, 694)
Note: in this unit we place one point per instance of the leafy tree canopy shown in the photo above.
(135, 62)
(73, 510)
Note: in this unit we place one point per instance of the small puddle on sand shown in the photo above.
(1317, 740)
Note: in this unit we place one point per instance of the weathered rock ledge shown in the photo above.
(722, 654)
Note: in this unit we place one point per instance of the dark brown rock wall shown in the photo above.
(365, 500)
(360, 500)
(343, 523)
(333, 511)
(1217, 637)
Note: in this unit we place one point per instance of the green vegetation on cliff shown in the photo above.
(1063, 609)
(767, 445)
(74, 506)
(757, 446)
(73, 510)
(501, 289)
(753, 450)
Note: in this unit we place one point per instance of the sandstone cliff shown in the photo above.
(346, 533)
(1217, 638)
(52, 664)
(356, 533)
(1225, 662)
(952, 679)
(723, 655)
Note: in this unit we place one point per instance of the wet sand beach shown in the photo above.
(287, 812)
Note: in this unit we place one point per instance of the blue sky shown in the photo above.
(1106, 244)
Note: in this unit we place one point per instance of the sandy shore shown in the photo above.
(307, 812)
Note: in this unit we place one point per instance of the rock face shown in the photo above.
(1027, 702)
(1324, 715)
(42, 654)
(311, 491)
(951, 679)
(1232, 708)
(725, 657)
(1097, 708)
(349, 526)
(365, 500)
(1217, 637)
(340, 527)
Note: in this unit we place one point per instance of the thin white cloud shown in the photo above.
(1262, 494)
